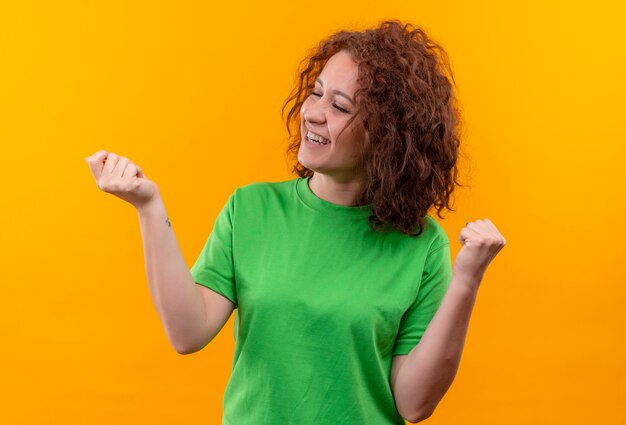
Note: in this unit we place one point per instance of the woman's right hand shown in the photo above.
(118, 176)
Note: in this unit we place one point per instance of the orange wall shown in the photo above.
(192, 93)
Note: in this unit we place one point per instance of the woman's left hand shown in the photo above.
(481, 242)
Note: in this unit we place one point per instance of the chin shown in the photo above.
(310, 166)
(304, 162)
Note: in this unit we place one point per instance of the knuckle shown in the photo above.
(108, 186)
(497, 241)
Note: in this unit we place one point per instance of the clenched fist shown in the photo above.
(118, 176)
(481, 242)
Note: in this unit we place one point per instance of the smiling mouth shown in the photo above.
(316, 139)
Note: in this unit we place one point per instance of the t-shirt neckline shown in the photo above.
(309, 198)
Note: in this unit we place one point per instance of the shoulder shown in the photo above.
(434, 233)
(264, 188)
(432, 237)
(264, 194)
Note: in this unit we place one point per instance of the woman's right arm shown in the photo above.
(191, 314)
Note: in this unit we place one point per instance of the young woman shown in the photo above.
(348, 310)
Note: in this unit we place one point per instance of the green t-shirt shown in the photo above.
(322, 304)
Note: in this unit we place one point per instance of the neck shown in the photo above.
(337, 192)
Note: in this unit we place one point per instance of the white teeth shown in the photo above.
(317, 139)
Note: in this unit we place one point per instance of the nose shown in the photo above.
(314, 112)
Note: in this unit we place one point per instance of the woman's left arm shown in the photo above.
(422, 377)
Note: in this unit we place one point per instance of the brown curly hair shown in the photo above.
(412, 117)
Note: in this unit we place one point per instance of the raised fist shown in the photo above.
(118, 176)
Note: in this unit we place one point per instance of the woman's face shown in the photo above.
(325, 112)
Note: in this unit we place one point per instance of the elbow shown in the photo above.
(180, 348)
(182, 344)
(414, 414)
(189, 348)
(186, 348)
(420, 416)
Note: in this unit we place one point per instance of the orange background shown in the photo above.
(192, 91)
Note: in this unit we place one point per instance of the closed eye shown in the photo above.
(335, 105)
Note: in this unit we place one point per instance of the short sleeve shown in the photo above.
(436, 278)
(214, 267)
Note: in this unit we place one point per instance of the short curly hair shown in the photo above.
(411, 114)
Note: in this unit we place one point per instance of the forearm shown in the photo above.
(171, 285)
(430, 367)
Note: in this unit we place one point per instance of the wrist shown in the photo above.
(466, 283)
(154, 206)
